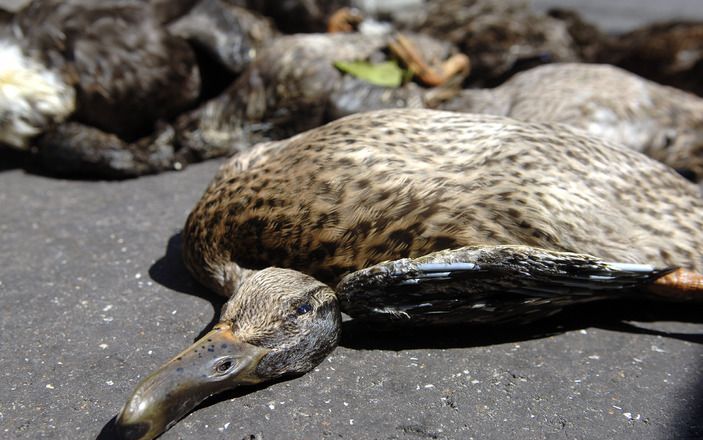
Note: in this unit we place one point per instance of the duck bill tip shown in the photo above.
(217, 362)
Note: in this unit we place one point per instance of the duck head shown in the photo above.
(279, 323)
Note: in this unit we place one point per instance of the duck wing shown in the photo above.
(487, 284)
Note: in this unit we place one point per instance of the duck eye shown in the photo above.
(223, 366)
(303, 309)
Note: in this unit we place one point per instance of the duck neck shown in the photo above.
(233, 276)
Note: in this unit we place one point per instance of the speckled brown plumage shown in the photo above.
(403, 183)
(608, 102)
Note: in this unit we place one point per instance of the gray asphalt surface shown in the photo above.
(623, 15)
(93, 296)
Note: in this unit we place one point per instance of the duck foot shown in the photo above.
(430, 75)
(680, 285)
(344, 20)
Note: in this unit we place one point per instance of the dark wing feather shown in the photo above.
(487, 284)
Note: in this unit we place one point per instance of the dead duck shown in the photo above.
(122, 84)
(663, 122)
(668, 52)
(87, 86)
(107, 83)
(293, 86)
(417, 216)
(500, 38)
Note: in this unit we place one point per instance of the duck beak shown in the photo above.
(217, 362)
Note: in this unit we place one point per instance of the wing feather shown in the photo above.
(487, 284)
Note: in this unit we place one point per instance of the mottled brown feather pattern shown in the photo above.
(403, 183)
(663, 122)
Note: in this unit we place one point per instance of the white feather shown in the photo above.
(32, 97)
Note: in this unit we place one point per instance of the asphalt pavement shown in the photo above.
(93, 296)
(623, 15)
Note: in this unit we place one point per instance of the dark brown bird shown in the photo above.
(418, 217)
(500, 38)
(91, 84)
(668, 52)
(293, 86)
(94, 76)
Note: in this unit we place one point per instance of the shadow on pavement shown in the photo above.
(29, 163)
(13, 159)
(171, 272)
(109, 431)
(613, 315)
(690, 413)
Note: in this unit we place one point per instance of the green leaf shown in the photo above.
(386, 74)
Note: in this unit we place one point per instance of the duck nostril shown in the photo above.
(223, 367)
(131, 431)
